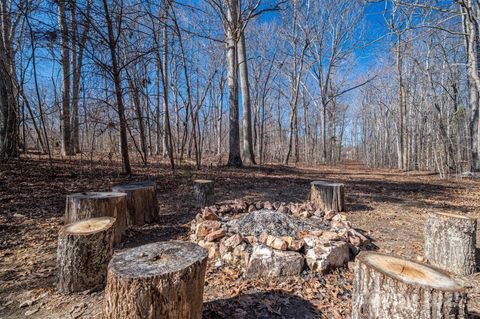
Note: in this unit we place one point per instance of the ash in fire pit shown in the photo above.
(276, 240)
(270, 222)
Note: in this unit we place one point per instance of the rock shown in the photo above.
(220, 233)
(239, 249)
(251, 239)
(310, 241)
(330, 214)
(363, 239)
(268, 205)
(233, 241)
(276, 205)
(213, 250)
(316, 233)
(240, 254)
(283, 209)
(295, 209)
(273, 242)
(209, 215)
(206, 227)
(224, 209)
(293, 244)
(241, 205)
(17, 215)
(213, 209)
(266, 262)
(325, 256)
(330, 236)
(339, 224)
(227, 257)
(259, 205)
(319, 213)
(224, 249)
(306, 214)
(354, 240)
(339, 217)
(251, 208)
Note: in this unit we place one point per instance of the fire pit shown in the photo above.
(278, 239)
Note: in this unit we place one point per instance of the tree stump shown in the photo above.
(450, 242)
(159, 280)
(82, 206)
(327, 196)
(203, 193)
(84, 250)
(142, 202)
(392, 287)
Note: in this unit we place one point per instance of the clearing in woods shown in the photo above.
(390, 206)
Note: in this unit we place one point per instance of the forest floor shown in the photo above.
(388, 205)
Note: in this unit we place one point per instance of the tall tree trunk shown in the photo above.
(77, 64)
(8, 115)
(472, 38)
(247, 150)
(67, 148)
(403, 135)
(8, 103)
(118, 91)
(234, 158)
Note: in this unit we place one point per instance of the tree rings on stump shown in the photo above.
(327, 196)
(141, 202)
(82, 206)
(203, 193)
(160, 280)
(392, 287)
(450, 242)
(84, 251)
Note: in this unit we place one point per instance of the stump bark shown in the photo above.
(203, 193)
(327, 196)
(450, 242)
(142, 202)
(84, 250)
(160, 280)
(82, 206)
(393, 287)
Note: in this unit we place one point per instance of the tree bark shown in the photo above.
(450, 242)
(67, 148)
(142, 202)
(392, 287)
(247, 149)
(82, 206)
(161, 280)
(327, 196)
(84, 250)
(203, 193)
(118, 91)
(234, 158)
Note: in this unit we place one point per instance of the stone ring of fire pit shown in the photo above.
(274, 240)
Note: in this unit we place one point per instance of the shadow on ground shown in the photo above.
(265, 305)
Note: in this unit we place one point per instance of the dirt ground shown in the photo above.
(390, 206)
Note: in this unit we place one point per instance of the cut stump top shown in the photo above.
(410, 272)
(203, 181)
(156, 259)
(325, 183)
(89, 226)
(450, 215)
(96, 195)
(134, 186)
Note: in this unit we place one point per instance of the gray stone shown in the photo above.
(325, 256)
(267, 262)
